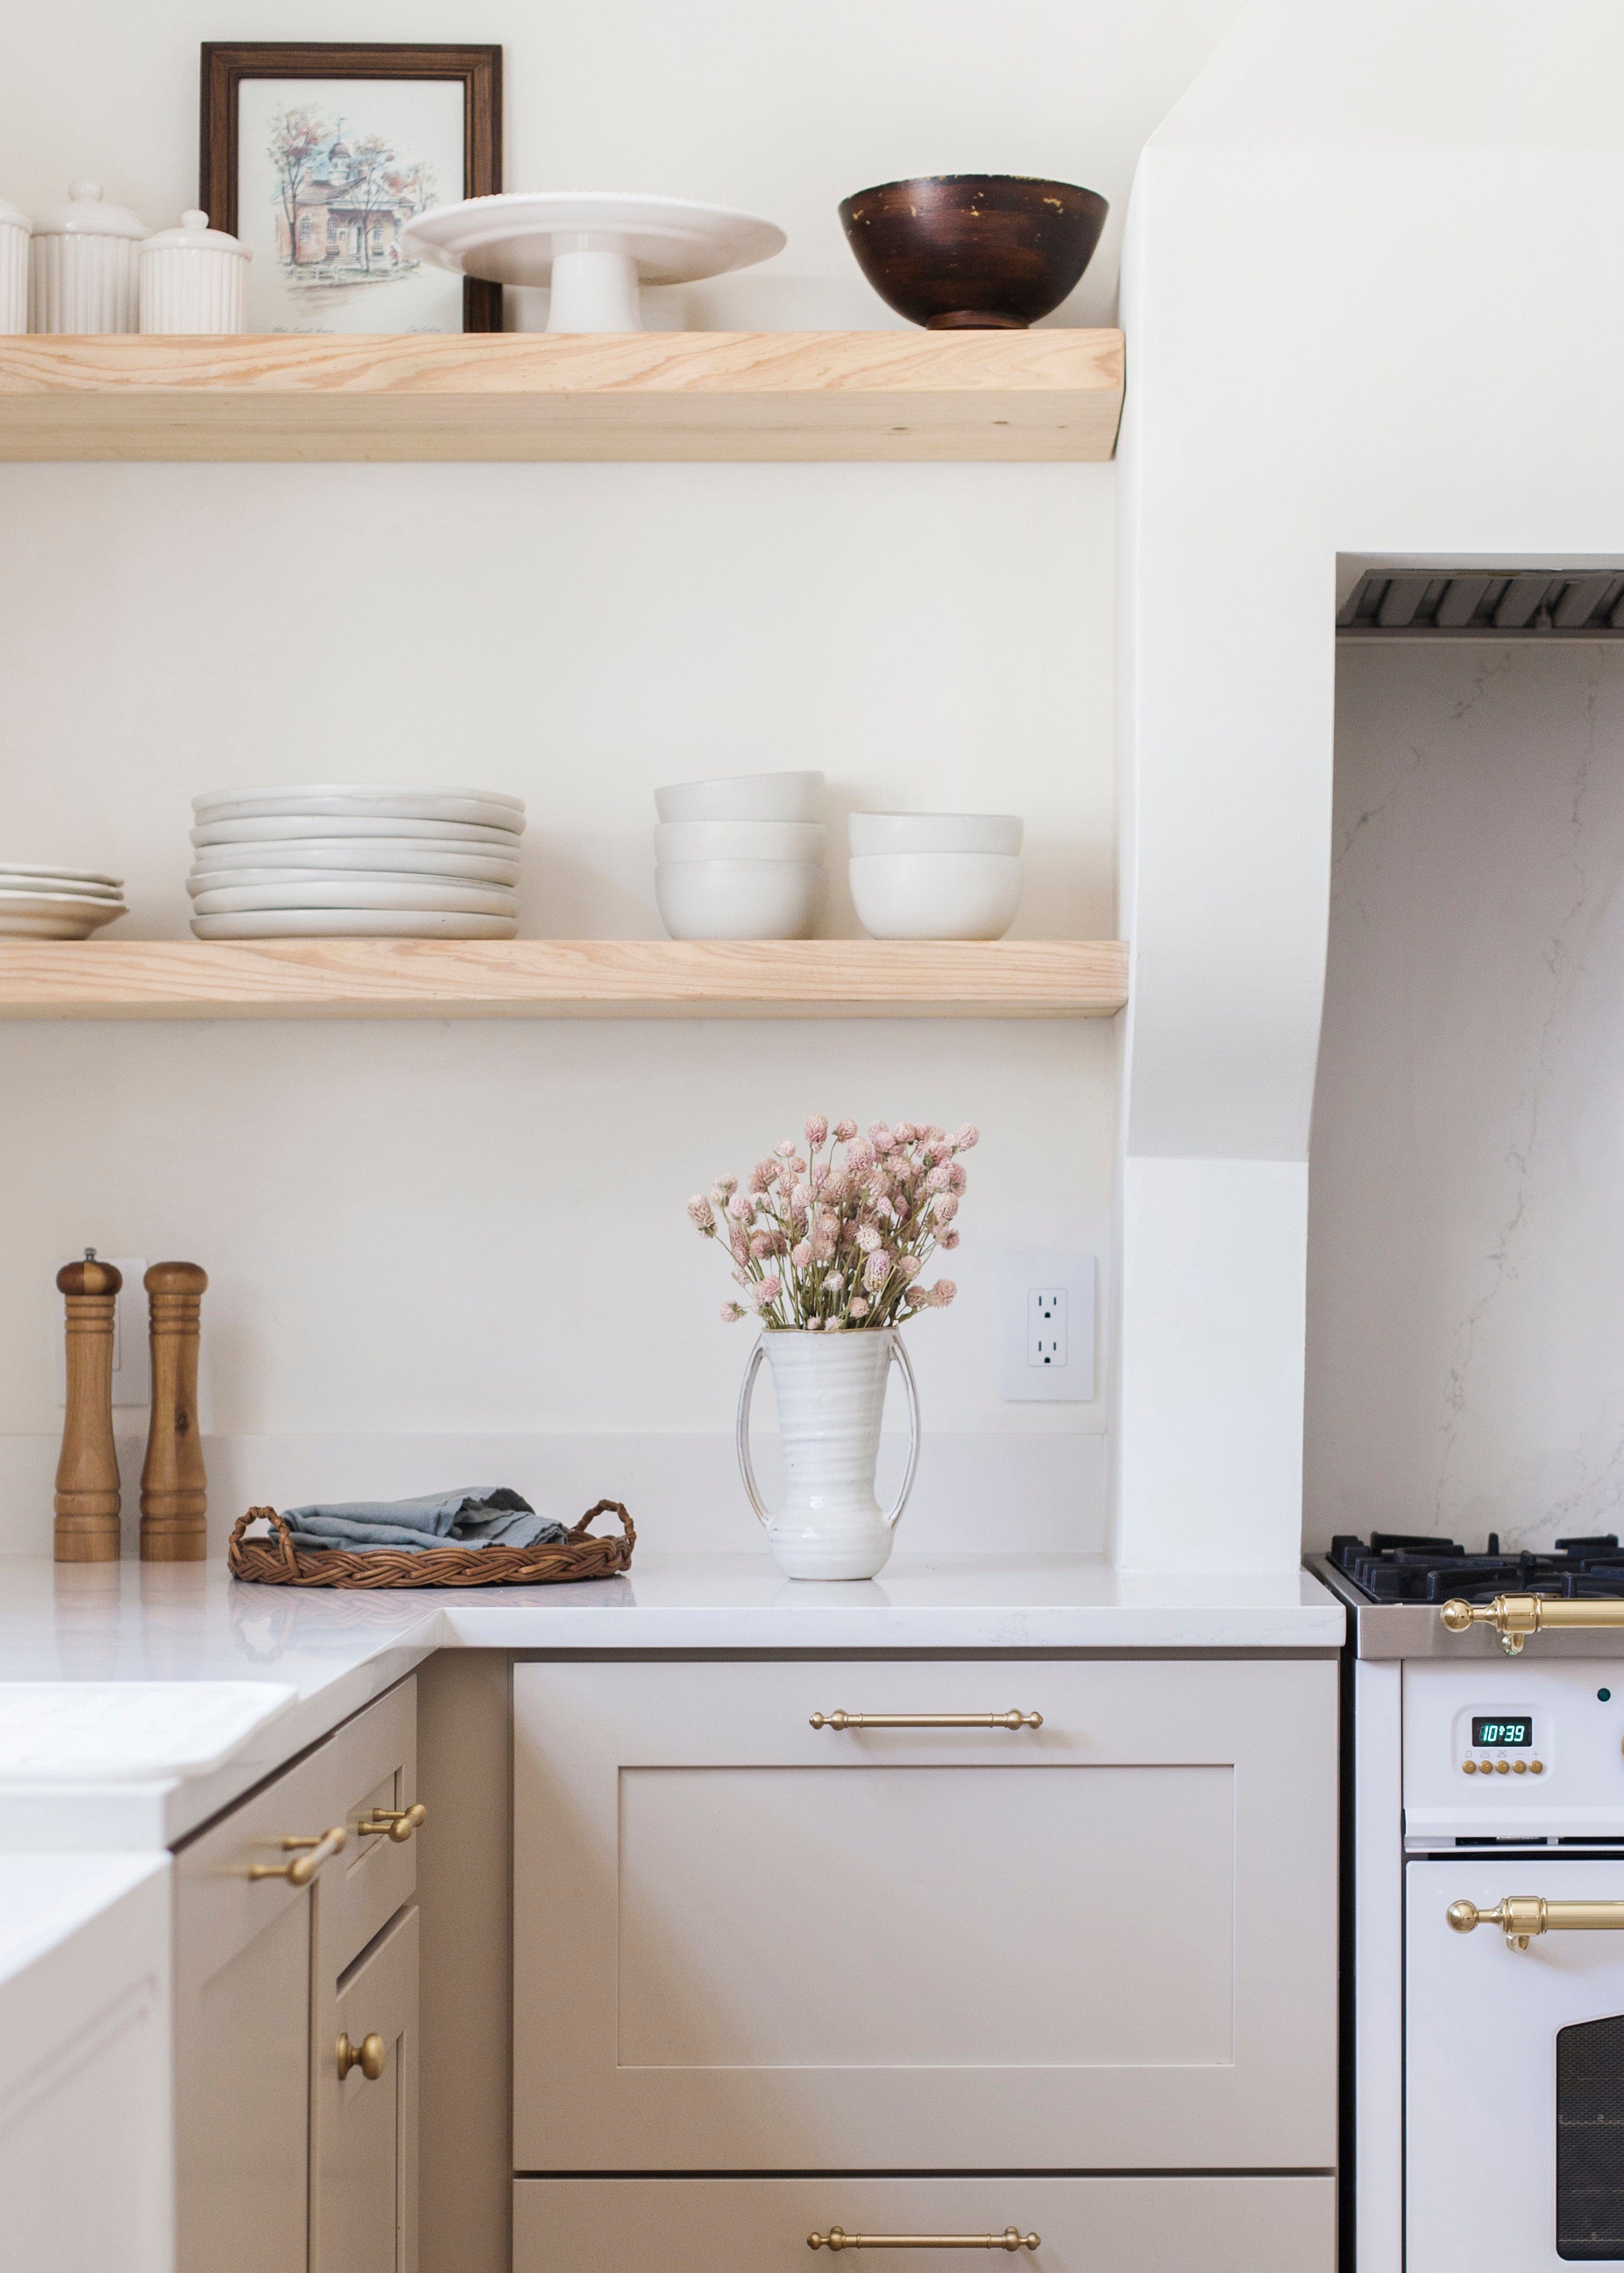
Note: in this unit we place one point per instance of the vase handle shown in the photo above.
(742, 1432)
(899, 1356)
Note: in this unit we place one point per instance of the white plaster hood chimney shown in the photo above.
(1373, 291)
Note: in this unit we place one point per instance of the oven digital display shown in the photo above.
(1502, 1734)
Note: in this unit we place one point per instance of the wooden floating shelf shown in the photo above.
(561, 978)
(937, 396)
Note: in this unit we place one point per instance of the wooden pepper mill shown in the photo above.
(174, 1488)
(87, 1526)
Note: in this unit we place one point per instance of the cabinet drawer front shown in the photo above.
(1084, 2225)
(365, 2126)
(1106, 1942)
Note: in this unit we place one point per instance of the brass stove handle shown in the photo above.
(304, 1866)
(837, 2239)
(840, 1719)
(1514, 1616)
(1521, 1917)
(395, 1823)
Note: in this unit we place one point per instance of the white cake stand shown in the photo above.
(594, 248)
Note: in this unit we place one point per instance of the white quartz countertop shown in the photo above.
(333, 1652)
(45, 1899)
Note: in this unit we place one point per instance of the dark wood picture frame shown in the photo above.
(227, 63)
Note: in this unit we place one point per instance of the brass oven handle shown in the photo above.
(1514, 1616)
(370, 2056)
(839, 1719)
(1521, 1917)
(396, 1823)
(837, 2239)
(304, 1867)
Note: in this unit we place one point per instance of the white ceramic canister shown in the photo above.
(82, 267)
(830, 1391)
(194, 278)
(14, 231)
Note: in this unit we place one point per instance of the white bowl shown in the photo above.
(740, 899)
(743, 797)
(934, 832)
(936, 895)
(738, 840)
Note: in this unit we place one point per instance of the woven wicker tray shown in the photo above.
(277, 1562)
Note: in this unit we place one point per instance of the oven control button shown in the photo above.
(1519, 1768)
(1502, 1767)
(1470, 1766)
(1535, 1767)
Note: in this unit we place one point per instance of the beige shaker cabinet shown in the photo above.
(365, 2117)
(264, 1969)
(1107, 1943)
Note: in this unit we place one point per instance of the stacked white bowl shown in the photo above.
(740, 859)
(936, 875)
(57, 903)
(323, 862)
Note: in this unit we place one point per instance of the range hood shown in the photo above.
(1476, 603)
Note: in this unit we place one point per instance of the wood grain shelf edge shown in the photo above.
(424, 979)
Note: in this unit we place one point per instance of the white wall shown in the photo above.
(416, 1232)
(1466, 1243)
(1333, 351)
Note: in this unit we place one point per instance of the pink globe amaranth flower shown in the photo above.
(907, 1266)
(834, 1325)
(957, 1178)
(761, 1245)
(949, 1238)
(701, 1215)
(906, 1133)
(823, 1250)
(741, 1207)
(936, 1136)
(940, 1178)
(727, 1185)
(876, 1270)
(814, 1325)
(762, 1174)
(731, 1312)
(837, 1185)
(845, 1130)
(772, 1287)
(915, 1298)
(857, 1307)
(834, 1284)
(860, 1155)
(786, 1148)
(944, 1207)
(942, 1294)
(968, 1137)
(868, 1238)
(882, 1138)
(800, 1256)
(740, 1247)
(818, 1130)
(801, 1198)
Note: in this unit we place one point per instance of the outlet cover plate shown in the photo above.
(131, 1352)
(1027, 1281)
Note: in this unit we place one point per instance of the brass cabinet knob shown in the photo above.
(305, 1866)
(370, 2056)
(396, 1823)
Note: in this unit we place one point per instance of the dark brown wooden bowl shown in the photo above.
(973, 251)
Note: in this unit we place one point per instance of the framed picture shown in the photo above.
(316, 155)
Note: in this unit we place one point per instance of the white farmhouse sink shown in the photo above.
(57, 1732)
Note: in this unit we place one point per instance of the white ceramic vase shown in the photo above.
(831, 1393)
(15, 229)
(193, 280)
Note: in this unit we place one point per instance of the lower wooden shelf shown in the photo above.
(562, 978)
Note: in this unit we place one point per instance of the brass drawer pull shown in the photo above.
(396, 1823)
(1521, 1917)
(926, 1721)
(305, 1866)
(837, 2239)
(370, 2056)
(1514, 1616)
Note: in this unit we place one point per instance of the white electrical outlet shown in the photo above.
(1047, 1329)
(132, 1356)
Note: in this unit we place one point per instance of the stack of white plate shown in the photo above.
(346, 863)
(57, 903)
(740, 858)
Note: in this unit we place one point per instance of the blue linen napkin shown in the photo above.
(479, 1515)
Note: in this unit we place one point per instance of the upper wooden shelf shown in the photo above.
(810, 396)
(554, 978)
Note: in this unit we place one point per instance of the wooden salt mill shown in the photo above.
(87, 1526)
(174, 1488)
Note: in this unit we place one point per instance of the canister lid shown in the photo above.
(194, 234)
(9, 217)
(85, 215)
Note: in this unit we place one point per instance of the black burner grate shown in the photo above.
(1393, 1566)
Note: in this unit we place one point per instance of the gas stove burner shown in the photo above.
(1395, 1566)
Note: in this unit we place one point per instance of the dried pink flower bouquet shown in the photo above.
(823, 1244)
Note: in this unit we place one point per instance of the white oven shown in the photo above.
(1514, 1938)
